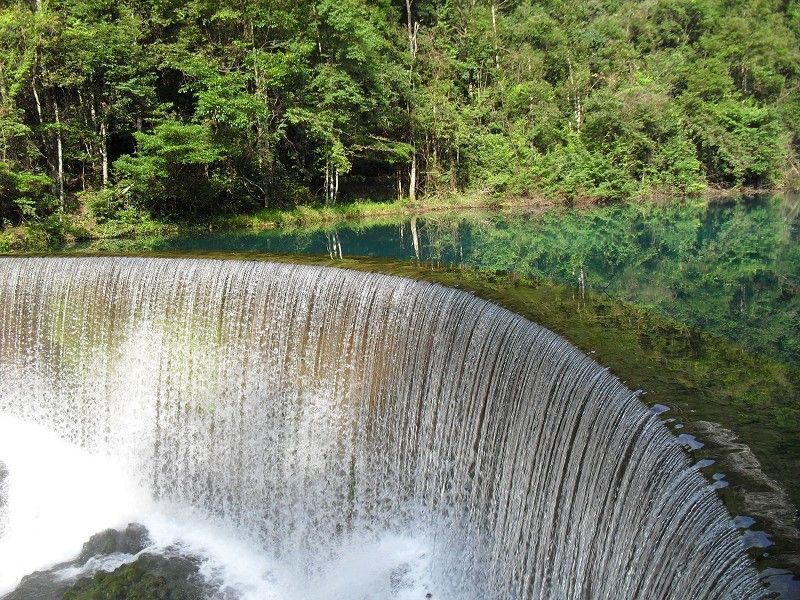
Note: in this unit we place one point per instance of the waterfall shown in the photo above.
(315, 409)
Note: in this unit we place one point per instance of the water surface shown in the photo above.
(729, 266)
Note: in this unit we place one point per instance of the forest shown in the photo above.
(118, 110)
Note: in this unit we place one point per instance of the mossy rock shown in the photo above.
(131, 540)
(128, 582)
(149, 577)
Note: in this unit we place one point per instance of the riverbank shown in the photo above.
(54, 232)
(62, 229)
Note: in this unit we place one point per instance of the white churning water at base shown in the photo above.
(320, 433)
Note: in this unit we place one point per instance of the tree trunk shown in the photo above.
(60, 154)
(262, 148)
(412, 33)
(336, 184)
(399, 184)
(577, 104)
(494, 31)
(104, 150)
(412, 184)
(38, 102)
(412, 48)
(90, 149)
(327, 181)
(330, 183)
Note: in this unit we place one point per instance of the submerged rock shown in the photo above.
(128, 581)
(44, 585)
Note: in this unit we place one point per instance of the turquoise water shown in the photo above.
(729, 267)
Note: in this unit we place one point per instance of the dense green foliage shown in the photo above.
(121, 108)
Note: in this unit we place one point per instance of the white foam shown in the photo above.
(58, 496)
(389, 566)
(392, 566)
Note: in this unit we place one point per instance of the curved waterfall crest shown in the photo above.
(312, 406)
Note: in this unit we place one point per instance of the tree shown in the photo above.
(296, 101)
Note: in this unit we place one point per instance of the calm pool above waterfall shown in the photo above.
(730, 266)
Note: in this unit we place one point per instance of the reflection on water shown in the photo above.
(730, 267)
